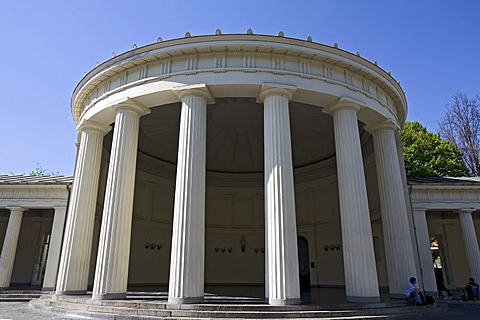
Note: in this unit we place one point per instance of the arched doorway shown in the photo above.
(303, 264)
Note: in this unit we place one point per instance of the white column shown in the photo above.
(7, 257)
(408, 205)
(398, 245)
(423, 240)
(470, 242)
(361, 283)
(54, 249)
(111, 273)
(77, 242)
(280, 221)
(187, 260)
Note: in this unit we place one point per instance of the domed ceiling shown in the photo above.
(235, 135)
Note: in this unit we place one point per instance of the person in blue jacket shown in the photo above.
(412, 291)
(471, 290)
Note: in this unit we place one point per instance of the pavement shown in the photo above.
(449, 309)
(22, 311)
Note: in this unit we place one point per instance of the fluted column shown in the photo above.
(7, 257)
(470, 242)
(74, 265)
(423, 240)
(410, 218)
(361, 283)
(188, 238)
(54, 249)
(111, 273)
(398, 245)
(280, 221)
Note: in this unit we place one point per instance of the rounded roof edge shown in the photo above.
(137, 52)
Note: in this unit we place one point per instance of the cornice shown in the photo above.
(470, 187)
(219, 45)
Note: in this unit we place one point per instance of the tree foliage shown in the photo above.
(39, 171)
(427, 155)
(461, 126)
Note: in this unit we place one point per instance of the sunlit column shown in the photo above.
(78, 235)
(410, 216)
(398, 243)
(470, 242)
(280, 221)
(54, 249)
(423, 240)
(9, 249)
(361, 283)
(187, 260)
(111, 273)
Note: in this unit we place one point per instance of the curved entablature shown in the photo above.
(241, 61)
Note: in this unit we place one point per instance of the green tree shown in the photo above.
(427, 155)
(40, 172)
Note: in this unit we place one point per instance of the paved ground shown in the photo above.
(22, 311)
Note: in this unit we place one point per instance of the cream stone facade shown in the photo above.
(32, 218)
(251, 160)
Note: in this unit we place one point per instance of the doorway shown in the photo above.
(303, 264)
(439, 259)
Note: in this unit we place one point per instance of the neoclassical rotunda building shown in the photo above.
(240, 160)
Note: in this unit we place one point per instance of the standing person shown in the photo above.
(412, 291)
(471, 290)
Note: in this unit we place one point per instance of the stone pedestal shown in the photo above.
(280, 220)
(10, 246)
(397, 237)
(187, 261)
(77, 243)
(470, 242)
(111, 273)
(54, 249)
(361, 283)
(423, 240)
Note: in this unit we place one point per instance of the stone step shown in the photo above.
(154, 310)
(18, 297)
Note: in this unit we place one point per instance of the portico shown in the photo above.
(32, 217)
(235, 145)
(445, 212)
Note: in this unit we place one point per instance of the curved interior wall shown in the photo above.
(235, 212)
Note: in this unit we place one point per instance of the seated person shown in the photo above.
(471, 290)
(412, 291)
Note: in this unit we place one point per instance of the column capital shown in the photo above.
(387, 124)
(131, 105)
(94, 126)
(57, 208)
(17, 209)
(419, 210)
(283, 90)
(343, 103)
(199, 90)
(465, 211)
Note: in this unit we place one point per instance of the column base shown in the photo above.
(71, 292)
(109, 296)
(283, 302)
(363, 299)
(4, 288)
(190, 300)
(48, 288)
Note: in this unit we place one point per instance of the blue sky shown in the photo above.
(431, 47)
